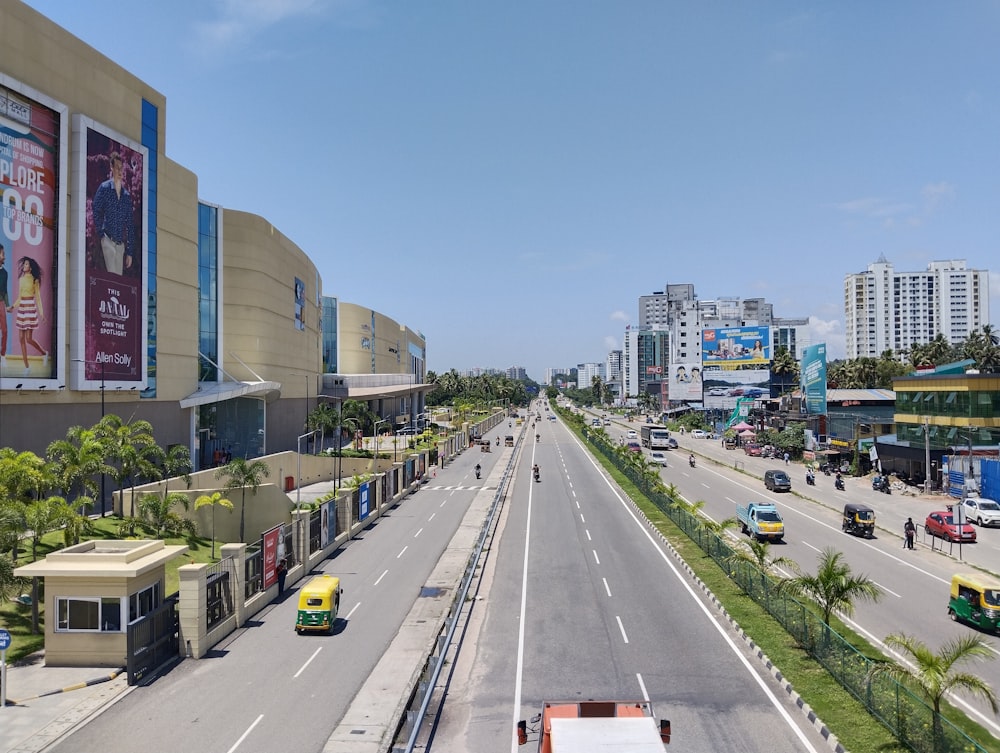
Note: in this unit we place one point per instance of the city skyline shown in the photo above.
(512, 196)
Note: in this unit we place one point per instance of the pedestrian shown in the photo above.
(282, 571)
(786, 458)
(909, 531)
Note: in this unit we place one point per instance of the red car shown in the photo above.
(752, 449)
(942, 524)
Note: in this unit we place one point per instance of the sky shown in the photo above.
(508, 177)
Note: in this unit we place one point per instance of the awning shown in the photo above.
(217, 392)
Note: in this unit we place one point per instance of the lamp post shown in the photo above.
(927, 456)
(377, 422)
(298, 469)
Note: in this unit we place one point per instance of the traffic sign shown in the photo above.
(4, 639)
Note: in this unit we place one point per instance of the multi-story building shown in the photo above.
(889, 310)
(656, 310)
(205, 321)
(585, 373)
(551, 373)
(646, 358)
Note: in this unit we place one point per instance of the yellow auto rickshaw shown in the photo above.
(975, 599)
(319, 601)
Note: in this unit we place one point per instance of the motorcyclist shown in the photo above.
(510, 424)
(691, 460)
(810, 476)
(538, 437)
(479, 469)
(498, 441)
(534, 470)
(839, 481)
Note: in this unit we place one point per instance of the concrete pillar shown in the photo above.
(238, 553)
(192, 596)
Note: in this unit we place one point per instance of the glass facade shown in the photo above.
(208, 292)
(329, 326)
(229, 429)
(960, 411)
(151, 140)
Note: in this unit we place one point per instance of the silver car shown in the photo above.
(983, 512)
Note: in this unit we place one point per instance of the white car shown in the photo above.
(632, 434)
(658, 458)
(983, 512)
(718, 392)
(699, 434)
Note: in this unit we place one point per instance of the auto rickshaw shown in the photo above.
(975, 599)
(319, 601)
(858, 520)
(508, 441)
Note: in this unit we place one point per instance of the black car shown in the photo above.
(671, 444)
(777, 481)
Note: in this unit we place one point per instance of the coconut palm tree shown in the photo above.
(834, 587)
(177, 462)
(74, 462)
(42, 516)
(131, 450)
(213, 499)
(933, 675)
(757, 554)
(240, 474)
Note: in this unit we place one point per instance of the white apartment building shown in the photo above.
(885, 309)
(552, 372)
(585, 373)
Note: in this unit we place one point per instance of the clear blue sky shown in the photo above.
(509, 177)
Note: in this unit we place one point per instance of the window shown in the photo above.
(89, 615)
(143, 602)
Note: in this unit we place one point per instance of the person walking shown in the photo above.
(909, 531)
(786, 458)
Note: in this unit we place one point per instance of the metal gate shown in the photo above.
(153, 640)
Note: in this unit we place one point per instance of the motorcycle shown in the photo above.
(478, 471)
(498, 441)
(881, 484)
(825, 468)
(537, 476)
(691, 461)
(811, 478)
(538, 437)
(839, 483)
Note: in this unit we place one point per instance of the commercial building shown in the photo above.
(889, 310)
(152, 303)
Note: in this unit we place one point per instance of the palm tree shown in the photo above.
(323, 418)
(240, 474)
(177, 462)
(157, 511)
(785, 368)
(131, 450)
(933, 675)
(757, 554)
(42, 516)
(75, 461)
(214, 499)
(833, 587)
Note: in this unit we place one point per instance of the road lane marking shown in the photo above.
(303, 667)
(606, 586)
(596, 558)
(384, 573)
(431, 517)
(642, 687)
(402, 552)
(419, 531)
(353, 610)
(587, 531)
(622, 628)
(888, 591)
(244, 735)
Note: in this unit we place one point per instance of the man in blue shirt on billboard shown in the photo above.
(112, 210)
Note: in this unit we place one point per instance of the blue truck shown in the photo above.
(761, 521)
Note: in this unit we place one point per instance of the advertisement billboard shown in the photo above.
(271, 556)
(33, 138)
(300, 304)
(110, 285)
(684, 382)
(736, 346)
(813, 379)
(724, 387)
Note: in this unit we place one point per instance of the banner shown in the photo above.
(271, 539)
(725, 387)
(684, 381)
(813, 379)
(32, 164)
(736, 345)
(364, 501)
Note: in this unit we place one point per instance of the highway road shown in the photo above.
(583, 601)
(268, 689)
(914, 584)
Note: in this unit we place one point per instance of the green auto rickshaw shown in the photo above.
(975, 599)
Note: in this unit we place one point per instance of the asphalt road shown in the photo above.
(268, 689)
(914, 584)
(584, 602)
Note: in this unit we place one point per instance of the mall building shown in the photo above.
(132, 296)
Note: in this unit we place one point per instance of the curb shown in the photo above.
(77, 686)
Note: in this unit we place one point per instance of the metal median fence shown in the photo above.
(906, 715)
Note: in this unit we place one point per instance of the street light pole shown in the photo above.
(927, 456)
(298, 469)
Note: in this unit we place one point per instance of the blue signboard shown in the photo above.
(813, 378)
(4, 640)
(363, 504)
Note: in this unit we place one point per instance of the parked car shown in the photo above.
(984, 512)
(718, 391)
(943, 525)
(752, 449)
(777, 481)
(407, 431)
(658, 457)
(698, 434)
(632, 434)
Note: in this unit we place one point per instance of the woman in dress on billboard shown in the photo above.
(27, 308)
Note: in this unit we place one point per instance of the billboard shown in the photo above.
(300, 304)
(736, 346)
(33, 138)
(724, 387)
(110, 285)
(813, 379)
(684, 381)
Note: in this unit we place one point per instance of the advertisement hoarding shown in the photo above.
(110, 284)
(736, 346)
(813, 379)
(725, 386)
(270, 564)
(33, 148)
(685, 381)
